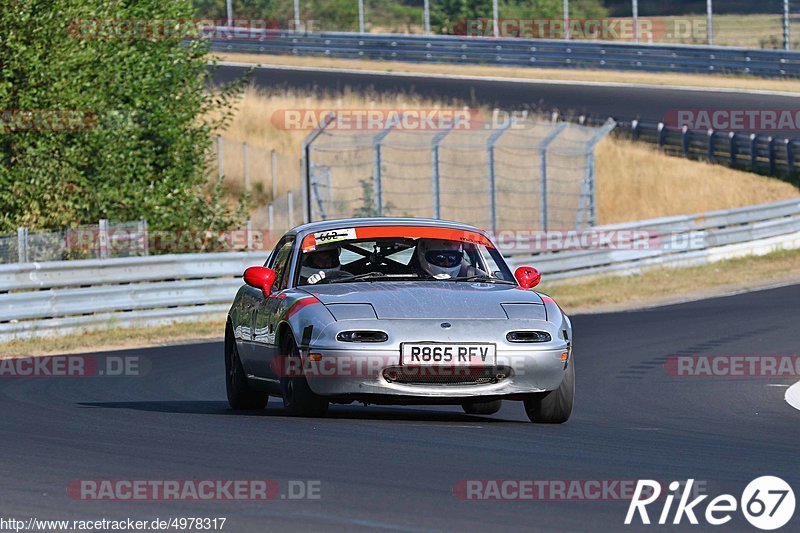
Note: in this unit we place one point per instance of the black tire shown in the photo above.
(240, 395)
(554, 407)
(298, 398)
(482, 408)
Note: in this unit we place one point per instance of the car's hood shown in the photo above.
(435, 300)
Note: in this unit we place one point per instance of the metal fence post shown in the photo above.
(271, 217)
(789, 157)
(495, 16)
(711, 145)
(377, 171)
(246, 177)
(249, 229)
(635, 14)
(787, 44)
(710, 21)
(771, 145)
(145, 237)
(548, 139)
(566, 19)
(229, 12)
(732, 148)
(290, 200)
(22, 244)
(589, 190)
(426, 16)
(305, 195)
(437, 140)
(493, 138)
(305, 163)
(753, 151)
(634, 130)
(685, 140)
(662, 135)
(103, 236)
(274, 172)
(219, 157)
(361, 16)
(296, 15)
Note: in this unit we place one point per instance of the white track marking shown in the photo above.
(793, 395)
(530, 81)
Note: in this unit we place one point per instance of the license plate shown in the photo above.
(447, 354)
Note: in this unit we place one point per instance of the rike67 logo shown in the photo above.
(767, 503)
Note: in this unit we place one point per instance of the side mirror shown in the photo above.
(260, 278)
(527, 277)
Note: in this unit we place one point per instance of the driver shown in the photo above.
(319, 265)
(443, 259)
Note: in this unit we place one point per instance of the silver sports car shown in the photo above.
(396, 311)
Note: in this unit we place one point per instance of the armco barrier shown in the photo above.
(772, 155)
(545, 53)
(715, 235)
(39, 299)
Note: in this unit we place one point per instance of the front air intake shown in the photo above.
(362, 336)
(528, 336)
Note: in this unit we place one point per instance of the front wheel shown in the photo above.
(482, 408)
(554, 407)
(298, 398)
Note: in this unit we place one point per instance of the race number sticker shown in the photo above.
(326, 237)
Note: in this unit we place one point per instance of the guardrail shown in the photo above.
(763, 154)
(673, 241)
(39, 299)
(544, 53)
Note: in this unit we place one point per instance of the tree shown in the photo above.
(105, 115)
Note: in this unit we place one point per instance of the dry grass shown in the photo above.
(542, 74)
(635, 181)
(117, 339)
(673, 284)
(257, 115)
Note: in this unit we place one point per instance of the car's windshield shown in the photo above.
(399, 253)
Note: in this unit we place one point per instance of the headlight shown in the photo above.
(528, 336)
(362, 336)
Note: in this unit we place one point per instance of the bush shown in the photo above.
(136, 144)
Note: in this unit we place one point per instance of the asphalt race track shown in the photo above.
(622, 103)
(395, 467)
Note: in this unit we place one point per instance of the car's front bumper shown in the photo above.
(347, 373)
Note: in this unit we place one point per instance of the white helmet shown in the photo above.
(319, 265)
(440, 258)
